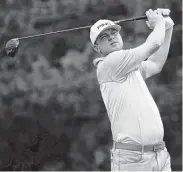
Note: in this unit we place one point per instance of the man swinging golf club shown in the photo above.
(136, 125)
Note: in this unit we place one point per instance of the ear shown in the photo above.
(96, 48)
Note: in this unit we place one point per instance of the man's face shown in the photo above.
(108, 41)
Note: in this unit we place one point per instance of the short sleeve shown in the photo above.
(120, 63)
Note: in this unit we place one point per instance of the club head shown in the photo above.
(12, 47)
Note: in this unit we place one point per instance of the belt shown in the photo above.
(141, 148)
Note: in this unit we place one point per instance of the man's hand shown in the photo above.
(154, 17)
(168, 21)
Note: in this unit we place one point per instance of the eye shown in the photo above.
(103, 37)
(114, 32)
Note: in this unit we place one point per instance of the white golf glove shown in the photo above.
(168, 21)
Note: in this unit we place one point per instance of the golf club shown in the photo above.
(12, 45)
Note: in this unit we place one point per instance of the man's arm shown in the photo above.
(155, 62)
(125, 61)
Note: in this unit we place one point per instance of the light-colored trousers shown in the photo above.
(125, 160)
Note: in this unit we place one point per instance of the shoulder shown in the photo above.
(117, 53)
(112, 59)
(118, 57)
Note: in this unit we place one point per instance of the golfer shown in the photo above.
(136, 125)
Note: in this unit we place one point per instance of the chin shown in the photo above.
(114, 48)
(117, 48)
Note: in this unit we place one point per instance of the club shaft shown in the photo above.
(50, 33)
(79, 28)
(132, 19)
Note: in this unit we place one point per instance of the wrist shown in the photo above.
(168, 23)
(160, 23)
(169, 28)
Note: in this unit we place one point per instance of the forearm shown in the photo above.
(157, 36)
(160, 56)
(151, 45)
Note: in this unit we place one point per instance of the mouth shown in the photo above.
(115, 42)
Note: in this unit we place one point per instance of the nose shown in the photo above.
(111, 37)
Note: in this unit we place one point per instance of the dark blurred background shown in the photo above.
(52, 115)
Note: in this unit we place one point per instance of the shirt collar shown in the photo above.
(97, 60)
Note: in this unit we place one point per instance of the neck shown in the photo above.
(103, 54)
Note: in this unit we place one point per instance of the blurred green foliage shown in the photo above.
(52, 114)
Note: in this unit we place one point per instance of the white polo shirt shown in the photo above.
(133, 114)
